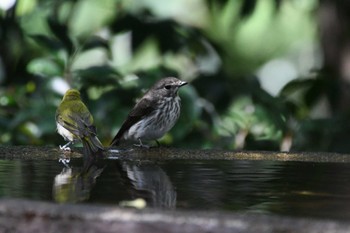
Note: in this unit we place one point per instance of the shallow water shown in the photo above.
(286, 188)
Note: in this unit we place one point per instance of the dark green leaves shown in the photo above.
(98, 76)
(61, 32)
(49, 43)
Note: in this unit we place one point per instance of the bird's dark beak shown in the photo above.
(182, 83)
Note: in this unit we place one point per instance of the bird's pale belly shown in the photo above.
(155, 126)
(68, 136)
(148, 130)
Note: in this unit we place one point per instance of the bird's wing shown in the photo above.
(84, 123)
(142, 109)
(71, 127)
(79, 124)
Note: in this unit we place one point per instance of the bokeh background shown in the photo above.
(264, 75)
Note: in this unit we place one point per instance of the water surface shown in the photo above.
(286, 188)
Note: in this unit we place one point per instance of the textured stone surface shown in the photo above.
(40, 217)
(163, 153)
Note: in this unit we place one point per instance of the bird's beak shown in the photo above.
(182, 83)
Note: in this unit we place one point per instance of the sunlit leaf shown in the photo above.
(44, 67)
(25, 6)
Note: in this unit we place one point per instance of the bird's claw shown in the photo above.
(65, 161)
(141, 145)
(65, 148)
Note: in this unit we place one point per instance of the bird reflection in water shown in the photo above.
(74, 184)
(140, 181)
(148, 181)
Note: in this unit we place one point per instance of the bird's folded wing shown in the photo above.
(77, 125)
(142, 109)
(70, 126)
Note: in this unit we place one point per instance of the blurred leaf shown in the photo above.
(165, 31)
(90, 16)
(274, 107)
(95, 42)
(296, 85)
(61, 32)
(50, 43)
(315, 92)
(278, 4)
(247, 8)
(190, 111)
(44, 67)
(25, 6)
(98, 75)
(217, 90)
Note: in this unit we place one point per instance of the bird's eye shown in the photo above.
(167, 87)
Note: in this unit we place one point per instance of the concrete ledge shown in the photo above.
(163, 153)
(42, 217)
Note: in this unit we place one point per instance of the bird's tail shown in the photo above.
(115, 141)
(92, 147)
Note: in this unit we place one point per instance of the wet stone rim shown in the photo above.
(164, 153)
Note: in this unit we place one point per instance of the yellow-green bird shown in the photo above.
(75, 123)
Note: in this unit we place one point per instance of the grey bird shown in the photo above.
(154, 114)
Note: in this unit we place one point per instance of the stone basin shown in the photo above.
(25, 215)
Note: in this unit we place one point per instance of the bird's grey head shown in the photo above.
(167, 87)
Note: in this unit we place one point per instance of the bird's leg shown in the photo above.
(65, 147)
(141, 144)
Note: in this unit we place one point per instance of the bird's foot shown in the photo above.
(65, 161)
(141, 145)
(66, 147)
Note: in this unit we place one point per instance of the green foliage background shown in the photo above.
(113, 50)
